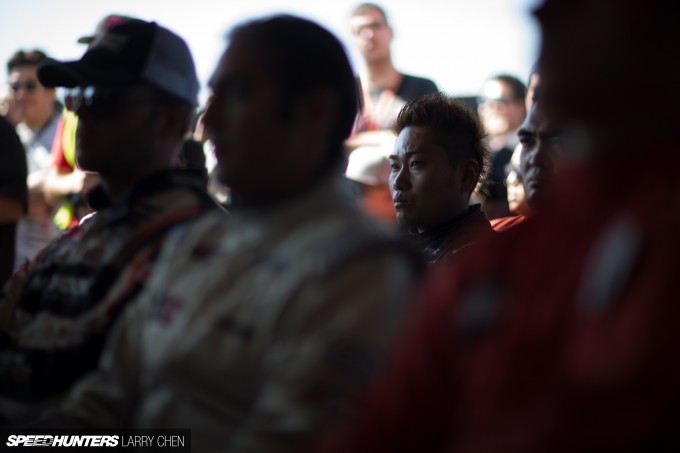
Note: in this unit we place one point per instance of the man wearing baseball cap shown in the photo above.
(67, 186)
(133, 90)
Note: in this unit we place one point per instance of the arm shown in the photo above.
(107, 396)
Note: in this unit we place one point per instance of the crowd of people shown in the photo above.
(317, 261)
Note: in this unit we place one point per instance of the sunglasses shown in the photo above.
(102, 101)
(498, 101)
(29, 86)
(373, 26)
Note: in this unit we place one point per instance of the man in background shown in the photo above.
(39, 116)
(384, 89)
(501, 110)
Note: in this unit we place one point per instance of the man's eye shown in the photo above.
(394, 167)
(557, 142)
(416, 164)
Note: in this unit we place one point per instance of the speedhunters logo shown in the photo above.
(150, 440)
(61, 441)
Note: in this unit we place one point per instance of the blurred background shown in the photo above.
(456, 43)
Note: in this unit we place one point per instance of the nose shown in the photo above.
(366, 33)
(399, 180)
(542, 155)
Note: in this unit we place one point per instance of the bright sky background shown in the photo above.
(457, 43)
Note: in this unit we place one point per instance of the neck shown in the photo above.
(118, 188)
(245, 200)
(37, 123)
(381, 74)
(115, 190)
(456, 216)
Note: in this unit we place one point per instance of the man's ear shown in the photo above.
(176, 122)
(318, 109)
(470, 175)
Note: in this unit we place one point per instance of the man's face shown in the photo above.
(500, 111)
(372, 35)
(426, 189)
(543, 145)
(117, 130)
(262, 149)
(33, 101)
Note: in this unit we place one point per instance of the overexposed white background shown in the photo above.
(457, 43)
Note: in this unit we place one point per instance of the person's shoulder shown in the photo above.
(5, 125)
(9, 137)
(505, 223)
(413, 87)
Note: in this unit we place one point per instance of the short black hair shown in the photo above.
(456, 128)
(25, 58)
(304, 56)
(518, 88)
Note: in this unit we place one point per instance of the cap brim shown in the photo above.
(69, 74)
(52, 73)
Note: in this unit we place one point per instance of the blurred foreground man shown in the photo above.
(259, 329)
(133, 91)
(13, 194)
(562, 334)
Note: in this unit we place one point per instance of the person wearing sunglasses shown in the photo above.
(66, 186)
(134, 92)
(384, 89)
(38, 114)
(501, 109)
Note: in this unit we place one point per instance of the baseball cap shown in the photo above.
(369, 165)
(132, 52)
(104, 25)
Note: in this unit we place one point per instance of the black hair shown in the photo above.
(304, 56)
(518, 88)
(456, 128)
(25, 58)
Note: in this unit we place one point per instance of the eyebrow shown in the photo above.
(406, 154)
(554, 133)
